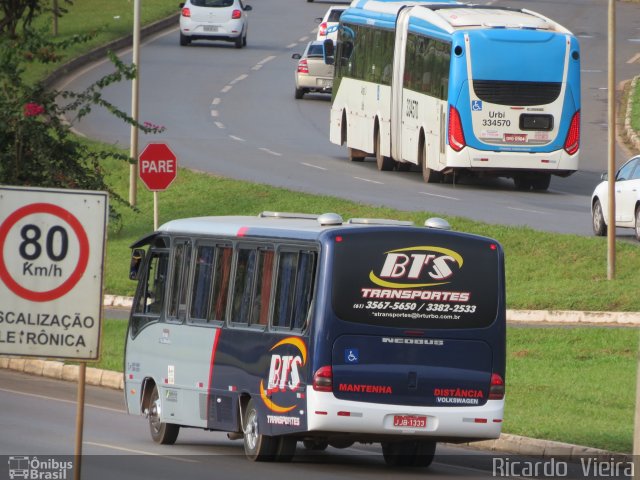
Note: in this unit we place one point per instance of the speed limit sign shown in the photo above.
(51, 262)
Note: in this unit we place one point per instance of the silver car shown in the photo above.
(214, 20)
(627, 193)
(313, 73)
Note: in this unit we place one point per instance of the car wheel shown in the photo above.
(384, 163)
(244, 40)
(638, 223)
(599, 226)
(184, 40)
(161, 432)
(299, 93)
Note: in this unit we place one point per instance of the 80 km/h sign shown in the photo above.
(51, 262)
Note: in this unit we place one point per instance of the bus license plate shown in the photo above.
(411, 421)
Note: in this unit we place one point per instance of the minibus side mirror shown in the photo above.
(329, 51)
(136, 260)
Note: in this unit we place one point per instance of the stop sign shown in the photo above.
(158, 166)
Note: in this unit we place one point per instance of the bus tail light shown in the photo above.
(323, 379)
(303, 66)
(572, 143)
(236, 14)
(456, 134)
(186, 12)
(496, 390)
(322, 29)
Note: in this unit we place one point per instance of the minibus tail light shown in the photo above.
(323, 379)
(496, 390)
(572, 143)
(456, 133)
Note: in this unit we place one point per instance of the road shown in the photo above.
(37, 420)
(232, 112)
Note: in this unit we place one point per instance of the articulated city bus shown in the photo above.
(457, 89)
(285, 328)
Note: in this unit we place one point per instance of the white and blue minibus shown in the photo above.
(285, 328)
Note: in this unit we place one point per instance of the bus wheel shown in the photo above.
(522, 182)
(355, 156)
(317, 445)
(409, 453)
(384, 163)
(541, 182)
(286, 449)
(428, 175)
(257, 447)
(163, 433)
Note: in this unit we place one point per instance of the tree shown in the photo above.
(16, 11)
(37, 147)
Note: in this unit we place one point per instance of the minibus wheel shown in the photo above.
(257, 447)
(411, 453)
(161, 432)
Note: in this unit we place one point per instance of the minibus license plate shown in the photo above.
(411, 421)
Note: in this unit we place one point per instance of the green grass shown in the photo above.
(635, 108)
(574, 385)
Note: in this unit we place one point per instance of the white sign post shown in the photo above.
(51, 260)
(52, 245)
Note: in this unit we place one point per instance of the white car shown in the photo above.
(328, 28)
(312, 73)
(627, 198)
(214, 20)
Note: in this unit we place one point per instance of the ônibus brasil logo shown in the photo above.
(284, 373)
(422, 266)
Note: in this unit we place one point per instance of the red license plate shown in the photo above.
(410, 421)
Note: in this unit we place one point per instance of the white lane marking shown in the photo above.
(634, 40)
(237, 138)
(256, 67)
(226, 88)
(367, 180)
(61, 400)
(140, 452)
(440, 196)
(303, 39)
(270, 152)
(527, 210)
(220, 125)
(214, 113)
(312, 166)
(584, 35)
(591, 71)
(291, 45)
(634, 59)
(265, 60)
(238, 79)
(215, 101)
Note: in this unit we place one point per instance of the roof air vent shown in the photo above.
(437, 223)
(330, 219)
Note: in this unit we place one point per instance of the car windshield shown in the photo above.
(212, 3)
(315, 50)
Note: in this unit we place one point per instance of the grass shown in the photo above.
(574, 385)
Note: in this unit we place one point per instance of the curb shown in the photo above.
(507, 443)
(628, 319)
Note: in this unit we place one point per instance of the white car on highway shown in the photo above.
(214, 20)
(627, 200)
(328, 29)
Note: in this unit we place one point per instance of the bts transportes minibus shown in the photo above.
(285, 328)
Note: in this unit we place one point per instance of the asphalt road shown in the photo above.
(38, 416)
(232, 112)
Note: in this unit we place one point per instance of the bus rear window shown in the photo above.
(417, 280)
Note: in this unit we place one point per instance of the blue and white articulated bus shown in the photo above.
(286, 328)
(457, 89)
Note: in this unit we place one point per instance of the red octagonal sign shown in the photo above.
(157, 166)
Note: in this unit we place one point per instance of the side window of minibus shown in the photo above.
(180, 280)
(294, 289)
(151, 291)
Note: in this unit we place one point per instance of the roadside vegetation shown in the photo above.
(575, 385)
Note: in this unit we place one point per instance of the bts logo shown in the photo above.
(411, 267)
(285, 373)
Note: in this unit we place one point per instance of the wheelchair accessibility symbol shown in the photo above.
(351, 355)
(476, 105)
